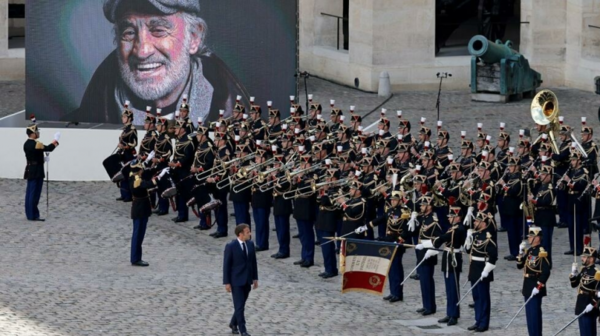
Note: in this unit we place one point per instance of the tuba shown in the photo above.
(544, 111)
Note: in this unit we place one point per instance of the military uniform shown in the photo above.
(512, 214)
(183, 158)
(204, 159)
(545, 211)
(576, 205)
(128, 142)
(328, 219)
(261, 207)
(429, 231)
(587, 282)
(141, 210)
(282, 210)
(560, 161)
(163, 150)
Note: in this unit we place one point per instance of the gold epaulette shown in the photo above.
(39, 145)
(542, 253)
(597, 274)
(137, 181)
(488, 235)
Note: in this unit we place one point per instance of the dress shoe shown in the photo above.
(510, 258)
(127, 200)
(119, 199)
(245, 334)
(296, 236)
(329, 275)
(395, 299)
(471, 305)
(444, 320)
(501, 229)
(561, 225)
(279, 256)
(260, 249)
(162, 213)
(473, 327)
(568, 252)
(420, 310)
(213, 234)
(452, 321)
(180, 220)
(220, 235)
(387, 298)
(318, 243)
(203, 228)
(38, 220)
(307, 264)
(481, 329)
(428, 312)
(299, 262)
(415, 276)
(140, 263)
(234, 329)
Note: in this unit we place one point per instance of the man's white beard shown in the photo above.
(154, 89)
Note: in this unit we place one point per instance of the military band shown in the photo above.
(338, 180)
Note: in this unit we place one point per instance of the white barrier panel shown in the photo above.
(78, 157)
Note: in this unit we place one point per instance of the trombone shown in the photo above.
(259, 179)
(289, 175)
(219, 168)
(271, 184)
(313, 188)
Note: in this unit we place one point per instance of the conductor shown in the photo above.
(240, 272)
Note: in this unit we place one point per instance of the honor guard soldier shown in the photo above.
(183, 157)
(575, 182)
(315, 110)
(404, 130)
(147, 146)
(467, 162)
(543, 133)
(327, 221)
(483, 255)
(304, 204)
(275, 130)
(204, 159)
(523, 150)
(34, 171)
(127, 144)
(282, 207)
(452, 241)
(239, 194)
(222, 155)
(396, 221)
(163, 150)
(587, 282)
(590, 148)
(442, 151)
(452, 189)
(511, 189)
(259, 126)
(336, 121)
(561, 162)
(479, 142)
(261, 201)
(353, 208)
(503, 147)
(184, 112)
(426, 257)
(543, 200)
(141, 209)
(536, 271)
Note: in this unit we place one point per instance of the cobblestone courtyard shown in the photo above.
(71, 274)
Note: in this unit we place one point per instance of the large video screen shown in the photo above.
(86, 58)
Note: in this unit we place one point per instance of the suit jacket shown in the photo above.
(34, 152)
(239, 269)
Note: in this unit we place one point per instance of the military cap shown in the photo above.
(589, 251)
(404, 124)
(333, 173)
(127, 112)
(481, 135)
(403, 147)
(384, 121)
(425, 130)
(336, 112)
(466, 144)
(454, 167)
(484, 196)
(298, 109)
(114, 8)
(426, 199)
(489, 149)
(255, 109)
(482, 216)
(32, 128)
(180, 123)
(513, 161)
(504, 135)
(274, 113)
(575, 154)
(136, 165)
(316, 107)
(307, 158)
(150, 119)
(443, 134)
(587, 130)
(239, 108)
(484, 165)
(419, 178)
(358, 118)
(565, 130)
(547, 170)
(202, 130)
(545, 147)
(523, 143)
(184, 106)
(243, 148)
(534, 231)
(455, 211)
(427, 155)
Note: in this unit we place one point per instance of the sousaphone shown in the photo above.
(544, 111)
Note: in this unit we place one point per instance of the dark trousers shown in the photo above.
(137, 238)
(442, 215)
(124, 188)
(329, 260)
(547, 241)
(182, 208)
(575, 231)
(500, 204)
(282, 226)
(242, 213)
(514, 232)
(307, 239)
(205, 220)
(561, 204)
(261, 229)
(396, 275)
(32, 198)
(533, 313)
(338, 227)
(240, 295)
(587, 325)
(381, 228)
(163, 205)
(452, 282)
(481, 293)
(427, 286)
(222, 218)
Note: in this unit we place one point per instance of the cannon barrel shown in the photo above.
(488, 51)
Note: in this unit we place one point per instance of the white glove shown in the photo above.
(487, 269)
(419, 246)
(427, 243)
(467, 220)
(574, 268)
(412, 223)
(598, 294)
(430, 253)
(57, 136)
(360, 229)
(150, 157)
(522, 247)
(47, 158)
(163, 172)
(588, 308)
(535, 291)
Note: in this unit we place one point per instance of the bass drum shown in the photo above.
(199, 195)
(166, 187)
(113, 166)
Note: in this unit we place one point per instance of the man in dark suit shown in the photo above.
(240, 272)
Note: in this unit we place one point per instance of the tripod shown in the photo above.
(441, 76)
(304, 75)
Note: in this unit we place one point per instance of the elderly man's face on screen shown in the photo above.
(154, 52)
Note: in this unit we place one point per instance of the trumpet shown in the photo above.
(303, 117)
